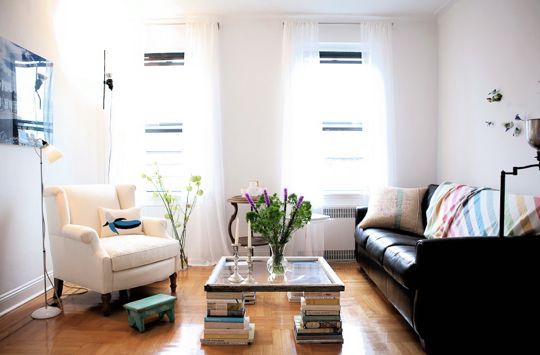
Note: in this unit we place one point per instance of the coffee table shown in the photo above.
(305, 274)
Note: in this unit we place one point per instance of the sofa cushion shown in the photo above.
(396, 208)
(380, 239)
(400, 262)
(129, 251)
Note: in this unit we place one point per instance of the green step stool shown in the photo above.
(141, 309)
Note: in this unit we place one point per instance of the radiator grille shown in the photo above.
(339, 254)
(340, 212)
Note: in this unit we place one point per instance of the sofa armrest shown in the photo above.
(476, 283)
(155, 227)
(361, 212)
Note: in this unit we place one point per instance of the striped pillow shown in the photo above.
(395, 208)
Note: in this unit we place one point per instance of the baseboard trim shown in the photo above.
(22, 294)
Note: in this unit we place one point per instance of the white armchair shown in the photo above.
(105, 264)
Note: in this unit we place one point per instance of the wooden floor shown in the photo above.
(370, 324)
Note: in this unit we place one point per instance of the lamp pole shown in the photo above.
(44, 312)
(514, 171)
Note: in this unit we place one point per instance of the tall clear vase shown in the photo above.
(277, 263)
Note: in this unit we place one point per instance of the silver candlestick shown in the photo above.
(235, 277)
(249, 279)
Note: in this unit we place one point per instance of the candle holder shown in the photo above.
(249, 279)
(235, 277)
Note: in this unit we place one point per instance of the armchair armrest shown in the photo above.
(156, 227)
(85, 235)
(78, 256)
(360, 214)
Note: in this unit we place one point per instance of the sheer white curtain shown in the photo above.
(206, 240)
(376, 39)
(125, 123)
(301, 155)
(301, 158)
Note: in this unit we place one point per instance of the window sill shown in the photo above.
(345, 198)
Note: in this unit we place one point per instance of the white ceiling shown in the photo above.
(169, 8)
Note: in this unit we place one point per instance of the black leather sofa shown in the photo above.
(460, 295)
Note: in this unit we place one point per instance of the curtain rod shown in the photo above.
(170, 22)
(342, 23)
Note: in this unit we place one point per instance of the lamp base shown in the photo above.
(46, 312)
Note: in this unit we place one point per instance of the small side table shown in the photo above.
(242, 240)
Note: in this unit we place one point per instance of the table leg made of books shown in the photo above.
(309, 279)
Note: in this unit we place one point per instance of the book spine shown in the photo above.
(322, 324)
(320, 313)
(224, 342)
(321, 301)
(224, 300)
(319, 318)
(226, 336)
(320, 307)
(321, 294)
(225, 313)
(226, 306)
(211, 319)
(221, 295)
(226, 331)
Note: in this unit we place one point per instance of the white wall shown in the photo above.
(62, 33)
(486, 45)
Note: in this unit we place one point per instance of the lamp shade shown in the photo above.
(533, 133)
(52, 153)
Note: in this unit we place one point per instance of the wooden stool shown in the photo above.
(141, 309)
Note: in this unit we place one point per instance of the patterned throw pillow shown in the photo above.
(120, 222)
(395, 208)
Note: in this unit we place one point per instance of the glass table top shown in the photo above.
(303, 274)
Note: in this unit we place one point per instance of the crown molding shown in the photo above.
(444, 7)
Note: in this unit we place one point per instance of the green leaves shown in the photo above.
(277, 222)
(177, 213)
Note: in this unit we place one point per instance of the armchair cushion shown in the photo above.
(120, 222)
(132, 251)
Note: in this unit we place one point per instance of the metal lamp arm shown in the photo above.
(514, 171)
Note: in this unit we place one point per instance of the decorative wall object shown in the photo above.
(494, 96)
(25, 96)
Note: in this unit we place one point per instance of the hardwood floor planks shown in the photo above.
(370, 324)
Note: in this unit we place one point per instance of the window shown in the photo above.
(164, 87)
(342, 114)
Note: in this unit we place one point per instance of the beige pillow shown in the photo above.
(120, 222)
(395, 208)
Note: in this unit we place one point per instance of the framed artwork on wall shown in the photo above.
(25, 96)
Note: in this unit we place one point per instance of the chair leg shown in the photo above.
(172, 278)
(106, 304)
(58, 288)
(124, 296)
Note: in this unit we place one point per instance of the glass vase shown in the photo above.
(277, 264)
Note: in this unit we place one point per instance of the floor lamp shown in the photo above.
(52, 154)
(533, 137)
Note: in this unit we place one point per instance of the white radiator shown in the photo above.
(339, 233)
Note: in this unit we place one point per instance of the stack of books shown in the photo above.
(249, 297)
(295, 296)
(320, 318)
(226, 322)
